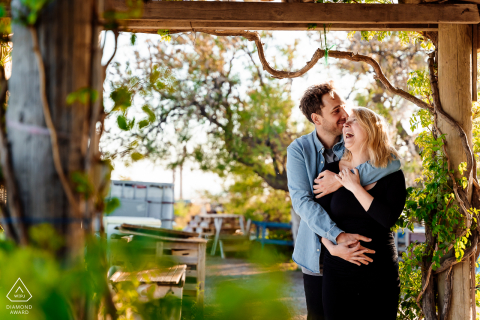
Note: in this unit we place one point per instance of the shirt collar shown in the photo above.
(319, 144)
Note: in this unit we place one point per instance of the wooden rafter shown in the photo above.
(185, 15)
(145, 26)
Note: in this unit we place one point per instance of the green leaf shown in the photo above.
(165, 35)
(149, 112)
(82, 95)
(122, 98)
(143, 124)
(122, 122)
(111, 204)
(3, 12)
(136, 156)
(82, 183)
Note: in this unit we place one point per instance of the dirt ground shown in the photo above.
(234, 269)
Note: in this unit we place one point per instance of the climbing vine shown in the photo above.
(440, 201)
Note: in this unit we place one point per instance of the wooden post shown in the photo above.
(68, 42)
(455, 86)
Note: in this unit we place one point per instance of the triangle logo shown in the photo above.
(19, 292)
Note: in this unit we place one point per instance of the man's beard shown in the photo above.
(333, 129)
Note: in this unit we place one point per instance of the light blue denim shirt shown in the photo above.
(304, 161)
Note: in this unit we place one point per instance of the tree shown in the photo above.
(246, 121)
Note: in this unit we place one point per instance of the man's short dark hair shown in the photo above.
(312, 99)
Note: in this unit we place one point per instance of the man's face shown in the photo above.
(333, 114)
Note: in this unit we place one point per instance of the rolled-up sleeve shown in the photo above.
(301, 193)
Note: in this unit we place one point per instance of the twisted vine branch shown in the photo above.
(51, 127)
(279, 74)
(448, 295)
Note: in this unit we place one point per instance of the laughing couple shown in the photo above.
(346, 185)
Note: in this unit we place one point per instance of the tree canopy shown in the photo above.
(221, 111)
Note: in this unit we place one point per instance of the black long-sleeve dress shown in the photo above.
(367, 291)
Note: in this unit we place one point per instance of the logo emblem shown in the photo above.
(19, 292)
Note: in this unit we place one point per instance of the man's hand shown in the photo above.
(344, 237)
(349, 248)
(351, 251)
(325, 183)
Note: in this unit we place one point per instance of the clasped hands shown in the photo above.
(349, 248)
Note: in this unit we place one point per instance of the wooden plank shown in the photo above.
(170, 276)
(454, 84)
(478, 38)
(191, 273)
(179, 245)
(169, 245)
(185, 253)
(201, 273)
(180, 259)
(190, 287)
(152, 26)
(307, 12)
(474, 62)
(162, 232)
(191, 240)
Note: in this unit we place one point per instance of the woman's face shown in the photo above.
(354, 135)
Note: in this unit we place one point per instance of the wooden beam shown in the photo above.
(474, 62)
(454, 84)
(260, 12)
(478, 38)
(152, 26)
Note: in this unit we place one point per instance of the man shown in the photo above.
(306, 157)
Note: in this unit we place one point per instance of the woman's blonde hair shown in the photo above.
(380, 150)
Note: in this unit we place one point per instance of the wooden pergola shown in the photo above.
(456, 28)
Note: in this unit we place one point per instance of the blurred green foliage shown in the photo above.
(410, 283)
(181, 209)
(250, 196)
(54, 284)
(28, 11)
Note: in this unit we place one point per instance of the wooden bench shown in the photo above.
(157, 284)
(181, 250)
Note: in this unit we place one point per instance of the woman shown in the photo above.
(371, 290)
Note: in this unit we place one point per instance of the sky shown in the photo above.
(194, 180)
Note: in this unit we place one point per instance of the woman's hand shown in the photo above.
(350, 180)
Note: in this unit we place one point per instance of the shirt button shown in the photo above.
(322, 161)
(318, 249)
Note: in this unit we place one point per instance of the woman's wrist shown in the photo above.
(357, 189)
